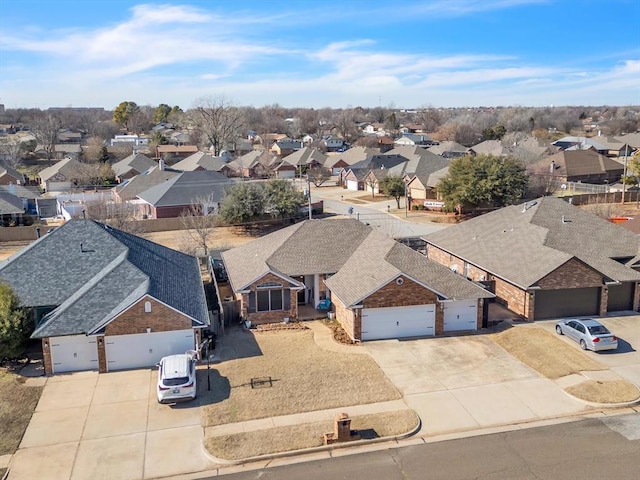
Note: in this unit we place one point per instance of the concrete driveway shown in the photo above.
(108, 426)
(468, 382)
(625, 361)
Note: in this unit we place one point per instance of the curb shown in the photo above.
(604, 405)
(322, 448)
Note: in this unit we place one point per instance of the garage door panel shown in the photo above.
(620, 297)
(460, 315)
(566, 303)
(73, 353)
(398, 322)
(352, 185)
(145, 349)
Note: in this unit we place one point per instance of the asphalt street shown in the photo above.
(586, 449)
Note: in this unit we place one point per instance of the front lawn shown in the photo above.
(305, 378)
(17, 403)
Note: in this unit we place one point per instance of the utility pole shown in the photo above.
(406, 201)
(309, 195)
(624, 174)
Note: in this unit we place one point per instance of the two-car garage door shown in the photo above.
(75, 353)
(145, 349)
(398, 322)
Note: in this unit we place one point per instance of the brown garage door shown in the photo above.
(566, 303)
(620, 297)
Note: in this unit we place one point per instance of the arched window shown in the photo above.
(147, 307)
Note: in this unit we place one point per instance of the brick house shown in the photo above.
(131, 166)
(105, 300)
(378, 287)
(545, 259)
(586, 166)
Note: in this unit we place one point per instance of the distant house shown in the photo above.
(133, 140)
(332, 143)
(283, 148)
(10, 176)
(413, 139)
(174, 153)
(128, 190)
(448, 149)
(131, 166)
(255, 164)
(582, 143)
(336, 163)
(11, 209)
(489, 147)
(184, 191)
(307, 156)
(584, 166)
(61, 176)
(203, 161)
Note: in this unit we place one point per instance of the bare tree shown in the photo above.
(318, 175)
(200, 221)
(13, 150)
(219, 121)
(93, 149)
(46, 130)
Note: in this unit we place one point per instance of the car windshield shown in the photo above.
(172, 382)
(598, 330)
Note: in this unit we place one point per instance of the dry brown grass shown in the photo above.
(17, 403)
(305, 378)
(294, 437)
(613, 391)
(544, 352)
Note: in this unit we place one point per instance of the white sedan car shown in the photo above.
(589, 333)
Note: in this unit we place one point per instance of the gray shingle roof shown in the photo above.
(184, 188)
(200, 160)
(304, 156)
(571, 163)
(90, 271)
(362, 259)
(522, 245)
(137, 163)
(66, 167)
(10, 204)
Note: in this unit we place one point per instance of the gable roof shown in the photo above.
(137, 163)
(10, 172)
(448, 146)
(200, 159)
(129, 189)
(305, 156)
(185, 187)
(90, 272)
(365, 260)
(572, 163)
(10, 204)
(351, 156)
(539, 237)
(66, 167)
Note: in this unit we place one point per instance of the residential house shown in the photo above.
(131, 166)
(174, 153)
(545, 259)
(102, 299)
(128, 190)
(332, 143)
(582, 143)
(585, 166)
(284, 169)
(26, 194)
(184, 193)
(203, 161)
(378, 287)
(412, 128)
(357, 176)
(61, 176)
(336, 163)
(282, 148)
(489, 147)
(11, 209)
(135, 141)
(631, 139)
(422, 189)
(255, 164)
(9, 176)
(414, 139)
(307, 157)
(448, 149)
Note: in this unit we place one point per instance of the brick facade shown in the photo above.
(102, 355)
(272, 316)
(161, 318)
(573, 274)
(46, 356)
(391, 295)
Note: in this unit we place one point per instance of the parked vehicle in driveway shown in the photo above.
(589, 333)
(177, 378)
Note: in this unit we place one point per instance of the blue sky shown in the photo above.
(449, 53)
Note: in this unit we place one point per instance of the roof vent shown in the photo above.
(565, 220)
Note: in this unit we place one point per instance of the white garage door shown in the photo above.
(398, 322)
(145, 349)
(73, 353)
(460, 315)
(352, 185)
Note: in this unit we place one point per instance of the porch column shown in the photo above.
(316, 290)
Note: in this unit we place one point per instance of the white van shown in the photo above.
(177, 378)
